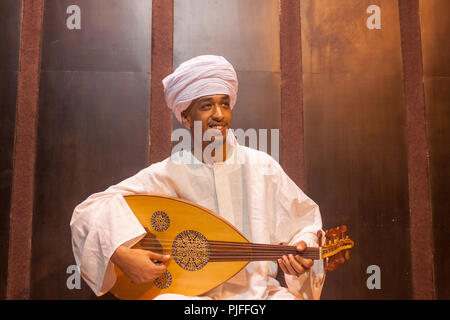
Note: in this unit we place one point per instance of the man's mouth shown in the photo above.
(219, 127)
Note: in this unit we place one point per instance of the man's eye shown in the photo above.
(206, 106)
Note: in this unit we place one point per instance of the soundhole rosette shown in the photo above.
(190, 250)
(160, 221)
(163, 281)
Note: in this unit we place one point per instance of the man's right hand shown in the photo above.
(141, 266)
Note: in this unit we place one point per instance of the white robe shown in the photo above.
(249, 189)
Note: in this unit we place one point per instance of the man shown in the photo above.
(253, 193)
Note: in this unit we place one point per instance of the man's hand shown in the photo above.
(295, 265)
(141, 266)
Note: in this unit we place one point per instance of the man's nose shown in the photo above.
(218, 112)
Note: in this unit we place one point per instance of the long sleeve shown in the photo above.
(102, 223)
(298, 218)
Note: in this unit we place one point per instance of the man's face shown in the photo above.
(213, 111)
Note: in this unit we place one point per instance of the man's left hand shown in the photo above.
(295, 265)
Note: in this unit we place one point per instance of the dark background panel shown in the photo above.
(8, 94)
(10, 13)
(355, 147)
(92, 133)
(246, 33)
(357, 175)
(437, 92)
(435, 27)
(93, 125)
(114, 36)
(258, 104)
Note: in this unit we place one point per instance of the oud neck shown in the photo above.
(236, 251)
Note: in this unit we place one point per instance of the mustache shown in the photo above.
(211, 124)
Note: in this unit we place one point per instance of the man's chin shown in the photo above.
(216, 136)
(218, 140)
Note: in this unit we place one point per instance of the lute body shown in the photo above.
(206, 250)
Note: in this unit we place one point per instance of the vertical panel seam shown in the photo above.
(292, 153)
(414, 98)
(161, 65)
(22, 194)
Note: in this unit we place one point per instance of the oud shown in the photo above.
(206, 250)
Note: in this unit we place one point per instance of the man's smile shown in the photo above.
(218, 126)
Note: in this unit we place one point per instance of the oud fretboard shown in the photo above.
(235, 251)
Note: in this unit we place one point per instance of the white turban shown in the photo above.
(201, 76)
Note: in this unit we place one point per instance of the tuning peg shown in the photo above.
(327, 237)
(335, 234)
(319, 237)
(343, 229)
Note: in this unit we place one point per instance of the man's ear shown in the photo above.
(186, 119)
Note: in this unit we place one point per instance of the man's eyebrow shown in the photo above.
(224, 97)
(204, 100)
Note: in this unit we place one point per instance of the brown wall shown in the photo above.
(435, 27)
(9, 69)
(93, 122)
(353, 131)
(355, 147)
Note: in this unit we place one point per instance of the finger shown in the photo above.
(282, 266)
(299, 269)
(151, 275)
(288, 266)
(158, 257)
(158, 263)
(306, 263)
(301, 246)
(159, 269)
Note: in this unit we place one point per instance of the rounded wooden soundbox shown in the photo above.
(165, 218)
(205, 249)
